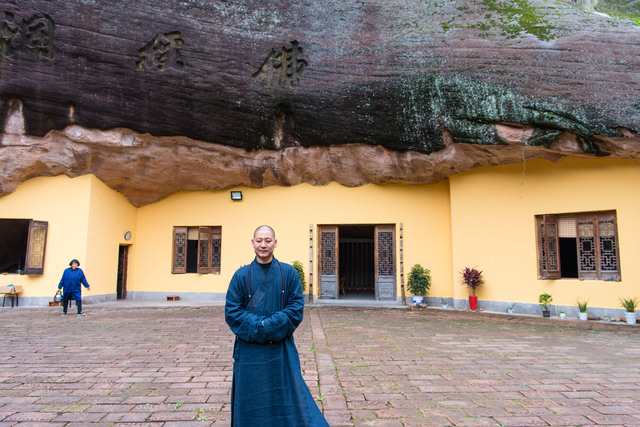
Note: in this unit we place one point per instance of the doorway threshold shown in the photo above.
(356, 303)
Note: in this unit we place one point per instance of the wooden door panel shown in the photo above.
(385, 263)
(328, 266)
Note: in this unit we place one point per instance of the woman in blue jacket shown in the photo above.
(70, 285)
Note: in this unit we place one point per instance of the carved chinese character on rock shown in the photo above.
(35, 34)
(162, 52)
(284, 67)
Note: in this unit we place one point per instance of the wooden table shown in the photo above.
(11, 292)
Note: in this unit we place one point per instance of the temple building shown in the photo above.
(148, 140)
(565, 228)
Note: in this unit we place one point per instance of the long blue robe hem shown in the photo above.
(268, 389)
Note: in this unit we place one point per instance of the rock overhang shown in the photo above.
(437, 81)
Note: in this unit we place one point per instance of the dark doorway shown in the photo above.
(568, 258)
(123, 266)
(356, 262)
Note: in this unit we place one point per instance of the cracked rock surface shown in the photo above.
(222, 93)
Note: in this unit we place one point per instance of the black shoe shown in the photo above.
(81, 314)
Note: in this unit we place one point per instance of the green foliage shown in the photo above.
(545, 301)
(472, 278)
(582, 304)
(621, 9)
(517, 16)
(510, 18)
(419, 281)
(629, 304)
(300, 269)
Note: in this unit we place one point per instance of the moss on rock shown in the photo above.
(623, 9)
(467, 109)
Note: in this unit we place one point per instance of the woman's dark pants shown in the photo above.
(65, 306)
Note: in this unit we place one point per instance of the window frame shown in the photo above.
(34, 256)
(209, 241)
(548, 247)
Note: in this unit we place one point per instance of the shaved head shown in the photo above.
(265, 228)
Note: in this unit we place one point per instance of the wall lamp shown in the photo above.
(236, 195)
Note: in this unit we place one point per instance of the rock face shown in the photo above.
(277, 93)
(146, 169)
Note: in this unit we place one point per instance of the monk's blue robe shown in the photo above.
(268, 388)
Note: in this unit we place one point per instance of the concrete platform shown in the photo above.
(168, 363)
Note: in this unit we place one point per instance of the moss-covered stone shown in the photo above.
(510, 19)
(468, 110)
(515, 17)
(623, 9)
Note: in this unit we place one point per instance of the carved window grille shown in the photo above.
(586, 244)
(608, 246)
(385, 263)
(328, 242)
(36, 246)
(197, 250)
(385, 253)
(179, 250)
(594, 237)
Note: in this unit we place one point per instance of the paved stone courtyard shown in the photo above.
(171, 366)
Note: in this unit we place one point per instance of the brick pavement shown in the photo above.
(134, 366)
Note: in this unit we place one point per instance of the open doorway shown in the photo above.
(356, 262)
(123, 266)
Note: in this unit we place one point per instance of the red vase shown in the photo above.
(473, 303)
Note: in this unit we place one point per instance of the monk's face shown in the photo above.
(263, 245)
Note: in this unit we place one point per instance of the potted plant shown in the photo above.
(300, 270)
(444, 303)
(545, 301)
(510, 308)
(630, 305)
(582, 308)
(419, 283)
(606, 318)
(562, 314)
(472, 278)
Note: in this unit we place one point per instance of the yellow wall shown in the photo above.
(423, 210)
(110, 217)
(86, 222)
(493, 222)
(64, 203)
(483, 218)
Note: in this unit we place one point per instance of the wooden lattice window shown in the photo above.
(580, 245)
(197, 250)
(23, 245)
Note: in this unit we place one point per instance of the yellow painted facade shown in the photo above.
(493, 226)
(87, 221)
(424, 211)
(483, 218)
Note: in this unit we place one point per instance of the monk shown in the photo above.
(264, 307)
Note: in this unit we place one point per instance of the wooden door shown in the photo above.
(123, 265)
(328, 265)
(385, 265)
